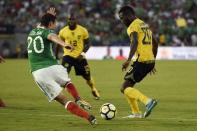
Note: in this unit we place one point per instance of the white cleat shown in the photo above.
(134, 116)
(83, 104)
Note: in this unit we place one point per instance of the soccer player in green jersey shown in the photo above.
(144, 47)
(49, 75)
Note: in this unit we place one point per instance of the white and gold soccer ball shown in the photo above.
(108, 111)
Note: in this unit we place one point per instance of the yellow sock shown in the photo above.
(133, 105)
(91, 83)
(135, 94)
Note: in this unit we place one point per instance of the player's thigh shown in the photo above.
(142, 69)
(68, 62)
(82, 68)
(60, 75)
(129, 76)
(44, 79)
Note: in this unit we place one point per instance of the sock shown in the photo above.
(72, 90)
(133, 105)
(76, 110)
(134, 93)
(91, 83)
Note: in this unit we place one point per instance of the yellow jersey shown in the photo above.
(74, 37)
(144, 49)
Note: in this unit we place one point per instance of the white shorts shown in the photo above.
(51, 80)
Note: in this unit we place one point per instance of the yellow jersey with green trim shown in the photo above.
(74, 37)
(144, 49)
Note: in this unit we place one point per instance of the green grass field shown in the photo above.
(174, 85)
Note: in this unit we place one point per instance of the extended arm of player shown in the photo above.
(86, 45)
(57, 40)
(133, 46)
(155, 46)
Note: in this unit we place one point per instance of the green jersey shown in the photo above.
(40, 53)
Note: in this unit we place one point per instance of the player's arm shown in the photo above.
(133, 48)
(155, 46)
(86, 45)
(57, 40)
(52, 11)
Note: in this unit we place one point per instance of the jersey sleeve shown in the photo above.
(47, 32)
(86, 34)
(132, 28)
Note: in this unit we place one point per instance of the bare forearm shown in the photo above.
(133, 46)
(56, 39)
(155, 46)
(86, 45)
(133, 49)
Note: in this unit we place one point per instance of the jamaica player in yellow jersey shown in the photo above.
(144, 47)
(77, 36)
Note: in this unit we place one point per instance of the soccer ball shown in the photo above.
(108, 111)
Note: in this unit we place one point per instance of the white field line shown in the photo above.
(67, 115)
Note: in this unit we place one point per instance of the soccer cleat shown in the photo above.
(92, 120)
(137, 115)
(149, 107)
(83, 104)
(95, 93)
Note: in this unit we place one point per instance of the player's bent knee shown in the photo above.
(127, 84)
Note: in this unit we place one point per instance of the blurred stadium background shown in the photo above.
(173, 21)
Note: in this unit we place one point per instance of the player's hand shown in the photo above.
(69, 47)
(81, 56)
(125, 65)
(2, 59)
(153, 71)
(51, 11)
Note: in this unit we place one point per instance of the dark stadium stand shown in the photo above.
(173, 21)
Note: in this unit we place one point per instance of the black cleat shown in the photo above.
(83, 104)
(92, 120)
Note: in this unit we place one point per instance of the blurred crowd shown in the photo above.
(173, 21)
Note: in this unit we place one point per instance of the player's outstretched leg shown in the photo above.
(75, 109)
(136, 94)
(72, 90)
